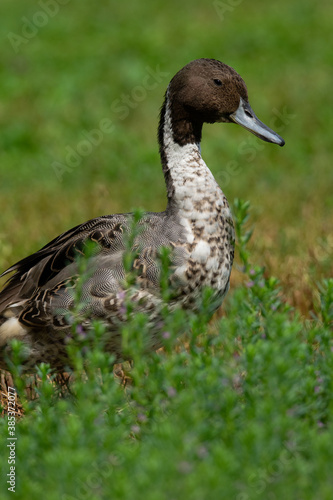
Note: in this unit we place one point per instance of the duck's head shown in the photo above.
(209, 91)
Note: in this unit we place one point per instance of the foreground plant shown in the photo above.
(240, 408)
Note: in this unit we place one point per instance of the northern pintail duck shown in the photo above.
(37, 301)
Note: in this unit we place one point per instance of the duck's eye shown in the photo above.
(217, 82)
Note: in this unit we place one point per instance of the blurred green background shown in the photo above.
(66, 65)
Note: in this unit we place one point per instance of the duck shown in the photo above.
(38, 299)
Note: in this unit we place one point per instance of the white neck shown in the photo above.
(196, 200)
(189, 180)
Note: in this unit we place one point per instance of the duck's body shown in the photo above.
(36, 303)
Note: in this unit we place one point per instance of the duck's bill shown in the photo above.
(245, 117)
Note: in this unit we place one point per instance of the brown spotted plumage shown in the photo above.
(37, 303)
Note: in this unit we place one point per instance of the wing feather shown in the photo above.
(40, 283)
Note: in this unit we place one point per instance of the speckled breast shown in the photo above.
(209, 248)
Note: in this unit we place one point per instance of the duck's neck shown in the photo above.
(186, 174)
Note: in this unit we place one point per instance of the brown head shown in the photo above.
(209, 91)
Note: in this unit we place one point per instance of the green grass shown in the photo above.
(240, 408)
(244, 409)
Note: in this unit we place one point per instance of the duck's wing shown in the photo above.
(43, 285)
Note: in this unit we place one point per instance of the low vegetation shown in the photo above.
(237, 408)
